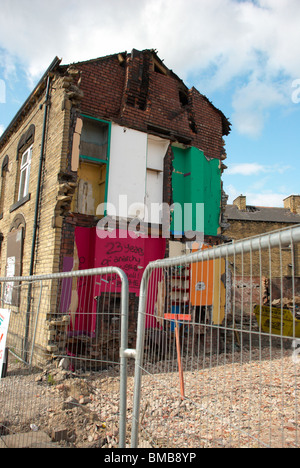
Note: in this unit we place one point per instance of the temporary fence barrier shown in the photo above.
(216, 360)
(65, 381)
(216, 357)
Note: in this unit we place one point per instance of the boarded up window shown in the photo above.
(14, 266)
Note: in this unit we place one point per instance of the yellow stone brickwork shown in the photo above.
(52, 197)
(274, 262)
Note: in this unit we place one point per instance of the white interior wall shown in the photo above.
(127, 169)
(153, 199)
(156, 151)
(135, 170)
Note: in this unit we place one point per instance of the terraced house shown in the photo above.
(99, 147)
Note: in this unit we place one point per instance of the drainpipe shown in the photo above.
(36, 216)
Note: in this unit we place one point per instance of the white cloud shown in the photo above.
(211, 42)
(232, 192)
(266, 199)
(7, 65)
(257, 198)
(245, 169)
(1, 129)
(250, 169)
(72, 30)
(252, 102)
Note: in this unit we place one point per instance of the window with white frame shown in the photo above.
(25, 173)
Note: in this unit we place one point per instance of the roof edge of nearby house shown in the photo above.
(19, 116)
(261, 214)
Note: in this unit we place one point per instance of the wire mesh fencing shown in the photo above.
(217, 360)
(63, 380)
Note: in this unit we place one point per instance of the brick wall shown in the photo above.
(102, 82)
(259, 276)
(209, 126)
(133, 94)
(47, 249)
(279, 261)
(49, 185)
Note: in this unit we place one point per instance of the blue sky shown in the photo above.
(243, 55)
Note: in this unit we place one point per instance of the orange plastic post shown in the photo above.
(179, 361)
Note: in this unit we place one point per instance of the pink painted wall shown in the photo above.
(129, 253)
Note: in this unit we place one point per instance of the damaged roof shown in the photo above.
(261, 214)
(121, 57)
(159, 63)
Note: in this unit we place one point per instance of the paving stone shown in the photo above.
(27, 440)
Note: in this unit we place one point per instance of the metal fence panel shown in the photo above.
(217, 357)
(65, 382)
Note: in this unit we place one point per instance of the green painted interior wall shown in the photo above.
(196, 179)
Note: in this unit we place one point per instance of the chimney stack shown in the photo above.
(292, 203)
(240, 202)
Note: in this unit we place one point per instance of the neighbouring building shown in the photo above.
(260, 277)
(109, 139)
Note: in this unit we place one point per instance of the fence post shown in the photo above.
(123, 358)
(139, 356)
(5, 364)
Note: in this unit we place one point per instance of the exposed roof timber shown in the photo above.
(164, 132)
(31, 99)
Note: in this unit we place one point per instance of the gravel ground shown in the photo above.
(231, 400)
(236, 400)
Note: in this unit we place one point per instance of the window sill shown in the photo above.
(20, 203)
(92, 160)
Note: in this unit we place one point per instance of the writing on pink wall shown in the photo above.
(129, 253)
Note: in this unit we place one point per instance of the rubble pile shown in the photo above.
(73, 409)
(291, 304)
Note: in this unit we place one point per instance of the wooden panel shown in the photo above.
(207, 287)
(202, 279)
(14, 262)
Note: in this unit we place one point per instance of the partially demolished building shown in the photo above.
(108, 144)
